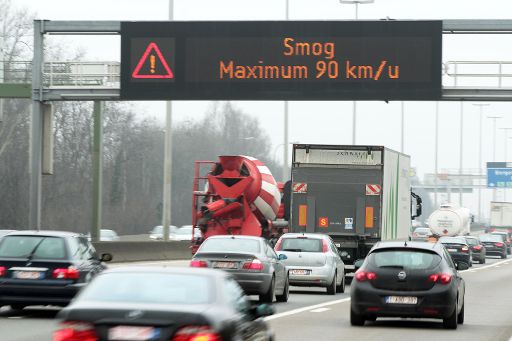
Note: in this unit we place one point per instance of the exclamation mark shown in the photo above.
(152, 63)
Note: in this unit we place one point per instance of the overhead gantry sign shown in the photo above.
(281, 60)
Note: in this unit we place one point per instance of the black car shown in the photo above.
(408, 279)
(46, 267)
(458, 248)
(162, 303)
(251, 260)
(478, 250)
(494, 245)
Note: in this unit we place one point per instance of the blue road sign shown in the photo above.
(499, 174)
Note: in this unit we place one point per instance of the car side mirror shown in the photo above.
(106, 257)
(462, 266)
(282, 256)
(263, 310)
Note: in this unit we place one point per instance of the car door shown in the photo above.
(243, 324)
(279, 268)
(459, 280)
(340, 266)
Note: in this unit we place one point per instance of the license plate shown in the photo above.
(224, 265)
(132, 333)
(299, 272)
(452, 250)
(401, 300)
(28, 274)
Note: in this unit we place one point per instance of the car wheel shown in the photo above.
(482, 260)
(451, 321)
(286, 291)
(331, 288)
(470, 264)
(504, 255)
(341, 287)
(268, 297)
(356, 319)
(460, 316)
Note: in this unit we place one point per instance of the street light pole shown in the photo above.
(354, 103)
(494, 118)
(166, 206)
(435, 155)
(481, 106)
(461, 150)
(402, 128)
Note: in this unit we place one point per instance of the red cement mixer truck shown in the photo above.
(236, 195)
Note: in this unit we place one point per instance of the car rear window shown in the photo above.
(230, 245)
(491, 238)
(406, 259)
(149, 288)
(452, 240)
(472, 241)
(301, 244)
(40, 247)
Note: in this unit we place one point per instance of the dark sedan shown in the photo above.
(458, 248)
(46, 267)
(159, 303)
(494, 245)
(408, 279)
(251, 260)
(477, 249)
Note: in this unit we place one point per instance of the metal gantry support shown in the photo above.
(97, 176)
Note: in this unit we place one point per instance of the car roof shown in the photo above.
(413, 245)
(307, 235)
(226, 236)
(45, 233)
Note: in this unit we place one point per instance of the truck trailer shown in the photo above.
(358, 195)
(501, 216)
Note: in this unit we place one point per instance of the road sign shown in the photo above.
(499, 174)
(278, 60)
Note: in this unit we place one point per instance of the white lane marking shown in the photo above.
(487, 266)
(303, 309)
(319, 310)
(15, 317)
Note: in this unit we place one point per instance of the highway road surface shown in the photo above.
(310, 314)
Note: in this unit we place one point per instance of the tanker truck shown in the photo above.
(450, 220)
(236, 195)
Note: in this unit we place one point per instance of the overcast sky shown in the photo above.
(329, 122)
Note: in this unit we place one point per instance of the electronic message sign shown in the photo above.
(281, 60)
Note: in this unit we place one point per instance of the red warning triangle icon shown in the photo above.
(149, 58)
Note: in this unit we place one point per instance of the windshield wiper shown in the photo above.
(31, 254)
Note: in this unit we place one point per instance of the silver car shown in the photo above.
(421, 234)
(312, 260)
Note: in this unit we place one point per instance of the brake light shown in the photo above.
(278, 245)
(3, 271)
(325, 247)
(362, 276)
(255, 264)
(75, 331)
(499, 244)
(464, 249)
(196, 333)
(66, 273)
(477, 247)
(440, 278)
(194, 263)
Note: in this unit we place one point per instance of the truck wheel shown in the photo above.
(356, 319)
(268, 297)
(331, 289)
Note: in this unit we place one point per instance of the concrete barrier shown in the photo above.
(131, 251)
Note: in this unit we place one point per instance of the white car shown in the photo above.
(185, 233)
(157, 233)
(106, 235)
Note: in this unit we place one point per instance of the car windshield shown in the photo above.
(501, 234)
(472, 241)
(42, 247)
(302, 244)
(230, 245)
(452, 240)
(405, 259)
(490, 238)
(149, 287)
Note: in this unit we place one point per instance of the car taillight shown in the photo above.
(440, 278)
(278, 245)
(362, 276)
(477, 247)
(255, 264)
(3, 271)
(464, 249)
(325, 247)
(66, 273)
(499, 244)
(75, 331)
(194, 263)
(196, 333)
